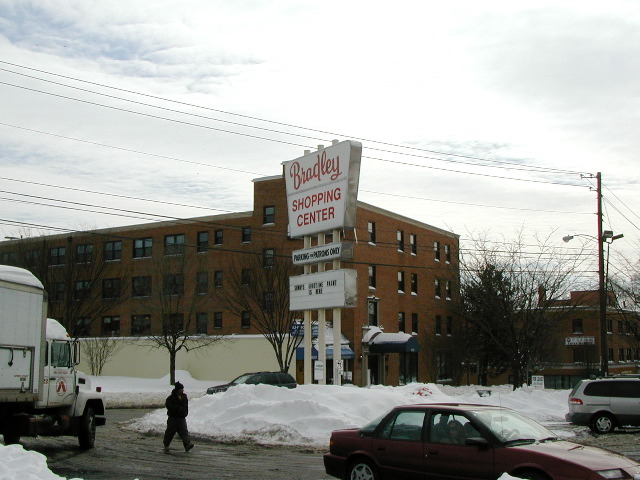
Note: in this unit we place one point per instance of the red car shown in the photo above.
(461, 441)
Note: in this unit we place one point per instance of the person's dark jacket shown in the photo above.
(177, 405)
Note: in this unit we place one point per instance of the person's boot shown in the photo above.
(188, 447)
(166, 450)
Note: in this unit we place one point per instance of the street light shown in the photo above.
(607, 237)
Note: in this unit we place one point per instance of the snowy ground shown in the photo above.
(304, 416)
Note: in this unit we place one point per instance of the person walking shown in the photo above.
(177, 410)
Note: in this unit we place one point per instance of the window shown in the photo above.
(372, 311)
(610, 354)
(245, 276)
(269, 214)
(438, 290)
(113, 251)
(202, 242)
(268, 301)
(401, 322)
(372, 276)
(577, 325)
(110, 326)
(609, 325)
(8, 258)
(141, 286)
(218, 276)
(371, 230)
(414, 283)
(219, 237)
(400, 238)
(202, 283)
(174, 284)
(201, 323)
(414, 323)
(140, 325)
(443, 361)
(111, 288)
(60, 354)
(174, 244)
(449, 326)
(406, 426)
(142, 247)
(57, 294)
(83, 327)
(268, 257)
(245, 321)
(620, 327)
(621, 355)
(413, 242)
(57, 256)
(217, 319)
(82, 290)
(448, 289)
(447, 253)
(246, 234)
(173, 324)
(438, 325)
(400, 282)
(436, 251)
(84, 253)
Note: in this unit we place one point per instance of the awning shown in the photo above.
(394, 343)
(347, 353)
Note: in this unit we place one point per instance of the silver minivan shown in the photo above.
(604, 404)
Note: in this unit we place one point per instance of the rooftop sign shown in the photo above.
(322, 189)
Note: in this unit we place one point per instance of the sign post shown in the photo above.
(322, 189)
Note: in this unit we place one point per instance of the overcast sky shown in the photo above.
(472, 115)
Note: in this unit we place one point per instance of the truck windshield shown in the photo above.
(60, 354)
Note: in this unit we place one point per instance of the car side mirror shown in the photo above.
(477, 442)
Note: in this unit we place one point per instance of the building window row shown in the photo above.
(141, 325)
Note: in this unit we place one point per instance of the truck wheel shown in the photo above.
(87, 433)
(11, 438)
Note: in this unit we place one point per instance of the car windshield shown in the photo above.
(242, 378)
(511, 427)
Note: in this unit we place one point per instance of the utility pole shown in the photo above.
(604, 348)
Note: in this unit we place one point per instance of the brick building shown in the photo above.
(408, 281)
(579, 340)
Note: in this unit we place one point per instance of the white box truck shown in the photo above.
(41, 392)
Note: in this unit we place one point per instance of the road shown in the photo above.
(124, 455)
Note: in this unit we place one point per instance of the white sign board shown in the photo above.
(322, 189)
(574, 341)
(537, 381)
(330, 289)
(318, 370)
(323, 253)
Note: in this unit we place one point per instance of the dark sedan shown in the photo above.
(278, 379)
(456, 441)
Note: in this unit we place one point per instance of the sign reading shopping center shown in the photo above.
(322, 189)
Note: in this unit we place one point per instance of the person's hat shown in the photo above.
(178, 386)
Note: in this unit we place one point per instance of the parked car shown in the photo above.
(466, 441)
(279, 379)
(604, 404)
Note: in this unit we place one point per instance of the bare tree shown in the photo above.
(507, 291)
(73, 275)
(259, 287)
(177, 295)
(98, 350)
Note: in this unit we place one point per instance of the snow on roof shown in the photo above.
(19, 276)
(55, 331)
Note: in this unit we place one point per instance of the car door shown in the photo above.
(447, 456)
(625, 401)
(399, 447)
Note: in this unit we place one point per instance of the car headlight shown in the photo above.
(611, 474)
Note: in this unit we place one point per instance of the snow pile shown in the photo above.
(18, 464)
(306, 415)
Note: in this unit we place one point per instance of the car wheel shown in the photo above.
(87, 433)
(603, 423)
(11, 438)
(362, 470)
